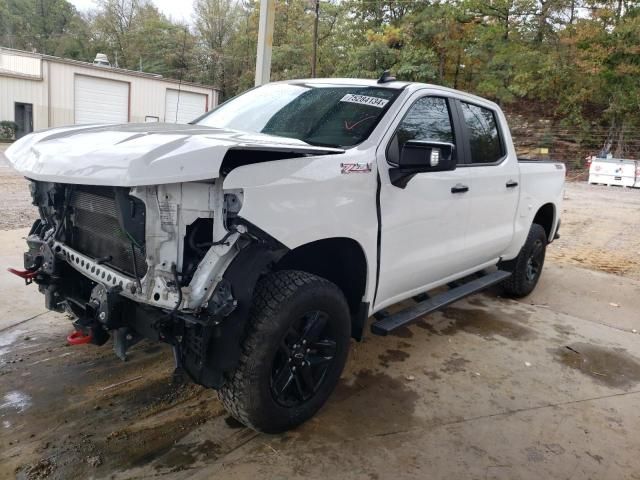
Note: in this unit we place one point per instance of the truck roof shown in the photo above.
(395, 85)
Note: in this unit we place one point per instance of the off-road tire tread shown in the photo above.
(271, 291)
(516, 286)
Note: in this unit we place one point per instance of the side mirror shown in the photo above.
(419, 156)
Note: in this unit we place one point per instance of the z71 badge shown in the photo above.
(355, 168)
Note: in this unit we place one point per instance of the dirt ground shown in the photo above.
(490, 388)
(17, 210)
(600, 229)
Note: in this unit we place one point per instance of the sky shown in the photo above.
(176, 9)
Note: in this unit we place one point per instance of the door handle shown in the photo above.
(459, 188)
(511, 184)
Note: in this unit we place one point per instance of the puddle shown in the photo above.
(232, 422)
(423, 324)
(182, 457)
(363, 404)
(454, 364)
(7, 339)
(154, 394)
(431, 375)
(99, 413)
(485, 324)
(476, 301)
(403, 332)
(140, 447)
(610, 367)
(17, 401)
(366, 383)
(564, 329)
(392, 356)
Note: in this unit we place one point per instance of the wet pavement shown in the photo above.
(490, 388)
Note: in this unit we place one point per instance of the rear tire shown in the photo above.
(294, 352)
(526, 268)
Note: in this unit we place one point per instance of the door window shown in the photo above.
(428, 119)
(484, 138)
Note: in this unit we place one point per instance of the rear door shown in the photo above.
(494, 181)
(423, 224)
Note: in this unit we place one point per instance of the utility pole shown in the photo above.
(265, 41)
(314, 59)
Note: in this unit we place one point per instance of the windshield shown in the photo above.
(318, 114)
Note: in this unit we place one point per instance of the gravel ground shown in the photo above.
(17, 211)
(600, 229)
(600, 225)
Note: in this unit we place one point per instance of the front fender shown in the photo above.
(223, 345)
(302, 200)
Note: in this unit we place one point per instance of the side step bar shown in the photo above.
(389, 323)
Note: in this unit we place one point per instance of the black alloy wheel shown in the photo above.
(535, 261)
(296, 346)
(305, 354)
(526, 268)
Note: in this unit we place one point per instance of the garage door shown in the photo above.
(190, 106)
(98, 100)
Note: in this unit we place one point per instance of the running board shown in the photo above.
(389, 323)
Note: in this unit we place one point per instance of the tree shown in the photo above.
(575, 62)
(135, 35)
(53, 27)
(608, 61)
(216, 23)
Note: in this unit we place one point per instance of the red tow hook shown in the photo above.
(79, 338)
(28, 275)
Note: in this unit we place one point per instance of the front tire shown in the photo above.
(526, 268)
(294, 352)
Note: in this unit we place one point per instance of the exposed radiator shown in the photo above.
(97, 232)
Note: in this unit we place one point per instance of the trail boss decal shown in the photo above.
(355, 168)
(364, 100)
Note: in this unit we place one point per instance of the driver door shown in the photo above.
(423, 225)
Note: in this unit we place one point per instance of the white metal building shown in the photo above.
(41, 91)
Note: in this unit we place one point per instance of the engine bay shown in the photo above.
(134, 262)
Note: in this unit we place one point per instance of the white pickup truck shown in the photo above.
(260, 238)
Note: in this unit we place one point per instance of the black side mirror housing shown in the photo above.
(417, 156)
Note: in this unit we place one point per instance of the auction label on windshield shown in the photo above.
(364, 100)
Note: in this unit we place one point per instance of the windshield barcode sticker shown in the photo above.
(364, 100)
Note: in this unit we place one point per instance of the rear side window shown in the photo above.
(428, 120)
(484, 137)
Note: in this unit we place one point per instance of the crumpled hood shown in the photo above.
(137, 154)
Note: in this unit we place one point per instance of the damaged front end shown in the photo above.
(170, 262)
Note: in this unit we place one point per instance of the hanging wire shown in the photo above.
(182, 67)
